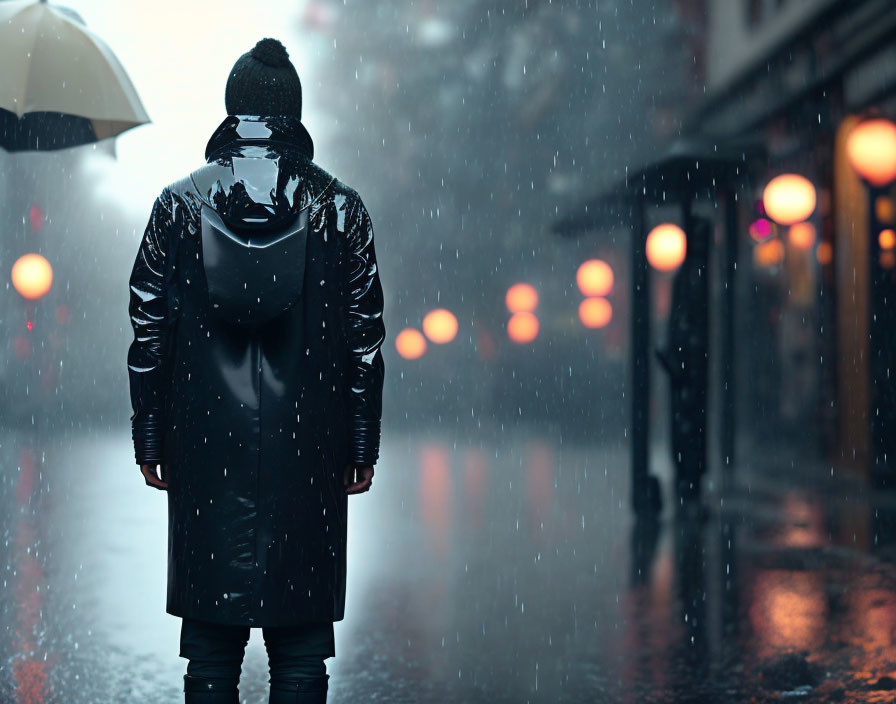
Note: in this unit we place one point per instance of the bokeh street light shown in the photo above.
(760, 229)
(440, 325)
(522, 327)
(521, 297)
(595, 312)
(768, 254)
(871, 149)
(410, 343)
(885, 209)
(32, 276)
(666, 247)
(802, 235)
(595, 278)
(789, 199)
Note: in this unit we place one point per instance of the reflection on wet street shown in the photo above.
(481, 570)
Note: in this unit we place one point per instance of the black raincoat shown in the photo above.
(256, 374)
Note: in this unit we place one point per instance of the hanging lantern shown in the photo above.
(666, 247)
(32, 275)
(871, 149)
(521, 297)
(410, 343)
(789, 199)
(595, 278)
(440, 325)
(522, 327)
(595, 312)
(824, 253)
(887, 239)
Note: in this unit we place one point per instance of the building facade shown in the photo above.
(797, 76)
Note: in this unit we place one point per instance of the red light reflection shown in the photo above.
(435, 494)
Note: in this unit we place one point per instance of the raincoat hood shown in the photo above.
(255, 170)
(253, 218)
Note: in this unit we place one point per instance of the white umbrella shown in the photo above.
(54, 67)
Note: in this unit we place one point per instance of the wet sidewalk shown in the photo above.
(499, 569)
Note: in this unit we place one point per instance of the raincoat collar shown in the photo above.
(238, 130)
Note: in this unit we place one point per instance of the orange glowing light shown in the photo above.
(887, 239)
(768, 254)
(32, 275)
(521, 297)
(887, 260)
(410, 343)
(824, 253)
(789, 199)
(595, 278)
(436, 494)
(885, 209)
(440, 325)
(522, 327)
(787, 610)
(802, 235)
(871, 149)
(595, 312)
(666, 247)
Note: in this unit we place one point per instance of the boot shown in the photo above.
(307, 691)
(203, 690)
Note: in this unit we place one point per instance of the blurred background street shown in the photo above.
(503, 568)
(639, 423)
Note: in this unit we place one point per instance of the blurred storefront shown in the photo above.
(796, 76)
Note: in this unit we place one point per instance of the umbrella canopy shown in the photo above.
(61, 85)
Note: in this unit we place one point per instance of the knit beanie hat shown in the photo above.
(263, 81)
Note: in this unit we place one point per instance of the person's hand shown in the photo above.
(152, 479)
(358, 478)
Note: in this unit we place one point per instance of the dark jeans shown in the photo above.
(295, 653)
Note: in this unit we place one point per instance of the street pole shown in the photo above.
(645, 489)
(883, 414)
(727, 351)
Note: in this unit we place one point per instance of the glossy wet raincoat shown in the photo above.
(256, 374)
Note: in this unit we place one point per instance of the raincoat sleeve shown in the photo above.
(148, 314)
(366, 333)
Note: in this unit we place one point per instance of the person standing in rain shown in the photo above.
(256, 384)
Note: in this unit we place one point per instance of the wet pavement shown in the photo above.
(486, 569)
